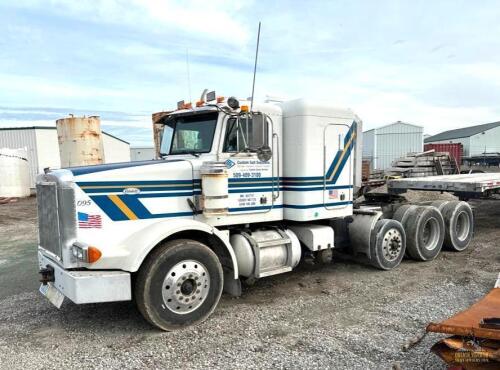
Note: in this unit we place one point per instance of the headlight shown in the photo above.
(86, 253)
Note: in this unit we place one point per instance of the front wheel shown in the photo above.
(179, 284)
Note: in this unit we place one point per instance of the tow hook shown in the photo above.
(47, 275)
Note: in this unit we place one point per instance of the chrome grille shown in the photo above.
(56, 217)
(49, 236)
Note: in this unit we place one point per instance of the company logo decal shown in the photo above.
(131, 191)
(230, 163)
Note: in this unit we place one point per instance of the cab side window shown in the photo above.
(245, 134)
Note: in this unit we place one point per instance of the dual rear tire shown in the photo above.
(429, 228)
(459, 224)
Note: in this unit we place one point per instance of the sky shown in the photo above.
(431, 63)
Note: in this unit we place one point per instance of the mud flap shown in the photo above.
(232, 286)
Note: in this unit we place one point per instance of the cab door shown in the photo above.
(338, 173)
(246, 149)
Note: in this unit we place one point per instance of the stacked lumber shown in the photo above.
(429, 163)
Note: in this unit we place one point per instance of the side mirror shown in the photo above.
(264, 153)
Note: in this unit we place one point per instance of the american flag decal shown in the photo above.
(333, 194)
(86, 221)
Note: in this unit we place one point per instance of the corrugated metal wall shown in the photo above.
(24, 138)
(115, 150)
(369, 146)
(487, 141)
(43, 148)
(393, 141)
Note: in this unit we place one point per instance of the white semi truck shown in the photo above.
(240, 194)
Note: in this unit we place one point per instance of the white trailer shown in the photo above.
(239, 195)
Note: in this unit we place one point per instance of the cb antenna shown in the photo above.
(188, 74)
(255, 66)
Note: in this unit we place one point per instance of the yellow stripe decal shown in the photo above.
(123, 207)
(342, 156)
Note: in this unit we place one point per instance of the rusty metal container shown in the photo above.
(80, 141)
(454, 149)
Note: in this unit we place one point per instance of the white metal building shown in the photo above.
(142, 153)
(43, 147)
(384, 144)
(476, 140)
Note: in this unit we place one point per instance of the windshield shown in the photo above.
(188, 134)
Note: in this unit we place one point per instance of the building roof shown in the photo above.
(394, 123)
(53, 128)
(462, 132)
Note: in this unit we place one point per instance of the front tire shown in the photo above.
(179, 284)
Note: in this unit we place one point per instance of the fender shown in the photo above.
(140, 244)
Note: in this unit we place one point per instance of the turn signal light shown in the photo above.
(244, 108)
(220, 99)
(200, 103)
(93, 254)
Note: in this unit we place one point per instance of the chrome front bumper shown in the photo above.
(88, 286)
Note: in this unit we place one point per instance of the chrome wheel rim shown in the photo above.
(392, 244)
(185, 286)
(463, 226)
(430, 233)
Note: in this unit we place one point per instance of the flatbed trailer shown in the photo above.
(465, 186)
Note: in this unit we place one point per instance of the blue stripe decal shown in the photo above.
(178, 192)
(116, 187)
(134, 183)
(111, 210)
(134, 204)
(253, 179)
(256, 208)
(301, 189)
(347, 148)
(306, 206)
(119, 190)
(84, 170)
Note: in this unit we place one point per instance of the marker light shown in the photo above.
(187, 106)
(220, 99)
(200, 103)
(93, 254)
(244, 108)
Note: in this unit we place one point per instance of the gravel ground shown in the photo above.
(344, 315)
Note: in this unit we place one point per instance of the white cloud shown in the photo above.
(214, 19)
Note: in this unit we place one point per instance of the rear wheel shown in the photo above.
(425, 233)
(459, 223)
(387, 244)
(401, 215)
(179, 284)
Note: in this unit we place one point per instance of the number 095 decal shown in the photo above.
(83, 203)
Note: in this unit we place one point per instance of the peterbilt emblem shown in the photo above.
(131, 191)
